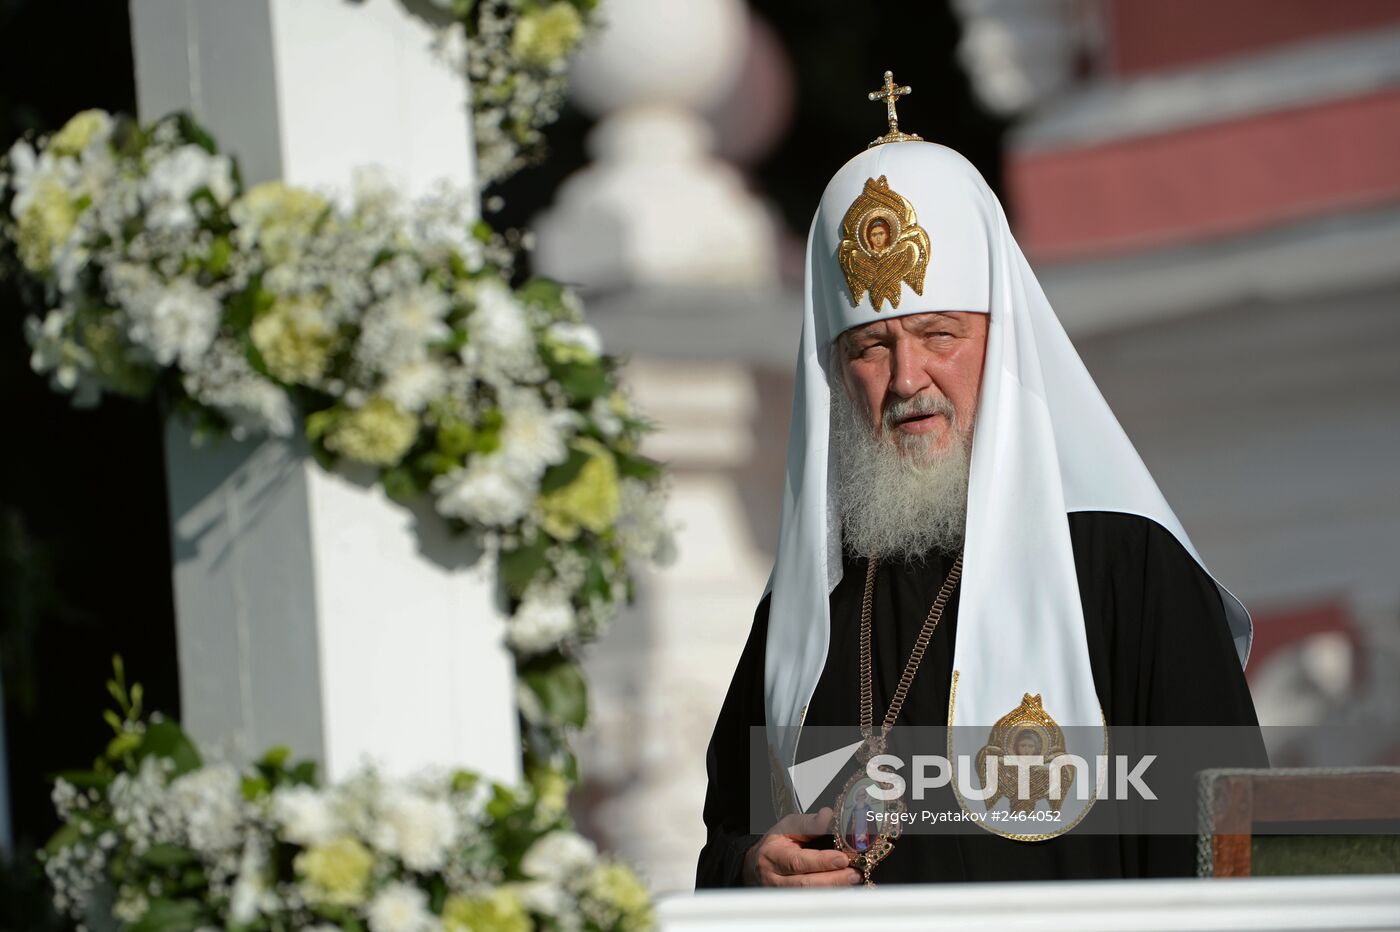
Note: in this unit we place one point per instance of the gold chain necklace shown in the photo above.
(859, 834)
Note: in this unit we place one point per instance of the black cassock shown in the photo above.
(1161, 654)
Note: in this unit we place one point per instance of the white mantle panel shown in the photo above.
(1281, 903)
(314, 612)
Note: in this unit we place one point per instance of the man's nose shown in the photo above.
(908, 374)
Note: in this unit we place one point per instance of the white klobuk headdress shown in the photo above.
(1045, 444)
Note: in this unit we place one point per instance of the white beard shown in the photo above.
(897, 501)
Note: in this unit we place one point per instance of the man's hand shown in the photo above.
(779, 860)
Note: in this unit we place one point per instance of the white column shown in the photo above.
(311, 610)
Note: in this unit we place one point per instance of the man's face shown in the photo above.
(879, 236)
(903, 369)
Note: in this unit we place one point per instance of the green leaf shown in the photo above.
(303, 773)
(583, 381)
(319, 423)
(542, 291)
(167, 855)
(638, 467)
(123, 744)
(167, 740)
(67, 834)
(562, 692)
(111, 718)
(400, 483)
(254, 786)
(85, 779)
(276, 756)
(437, 464)
(170, 916)
(519, 567)
(456, 439)
(556, 477)
(220, 252)
(195, 133)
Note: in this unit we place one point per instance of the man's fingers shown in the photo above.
(804, 826)
(844, 877)
(804, 861)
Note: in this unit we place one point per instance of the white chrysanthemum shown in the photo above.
(398, 330)
(414, 386)
(533, 437)
(501, 346)
(174, 322)
(175, 177)
(544, 619)
(582, 336)
(546, 898)
(559, 856)
(417, 829)
(227, 383)
(486, 492)
(209, 802)
(305, 814)
(400, 907)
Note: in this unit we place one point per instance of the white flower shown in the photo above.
(487, 491)
(306, 815)
(174, 322)
(580, 335)
(545, 898)
(543, 620)
(533, 437)
(413, 386)
(398, 330)
(417, 829)
(209, 802)
(559, 856)
(251, 896)
(140, 806)
(227, 383)
(175, 177)
(400, 907)
(501, 346)
(55, 353)
(131, 905)
(604, 416)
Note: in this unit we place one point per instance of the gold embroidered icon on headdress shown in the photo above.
(882, 245)
(1026, 730)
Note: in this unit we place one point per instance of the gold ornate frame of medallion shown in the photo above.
(886, 832)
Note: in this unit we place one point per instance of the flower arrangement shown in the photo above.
(385, 332)
(517, 58)
(156, 839)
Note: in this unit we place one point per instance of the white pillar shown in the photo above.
(311, 610)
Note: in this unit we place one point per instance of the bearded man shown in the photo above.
(959, 502)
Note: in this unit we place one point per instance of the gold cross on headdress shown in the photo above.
(888, 93)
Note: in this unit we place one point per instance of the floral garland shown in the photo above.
(387, 328)
(517, 58)
(157, 839)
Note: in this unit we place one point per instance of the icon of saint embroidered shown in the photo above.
(882, 246)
